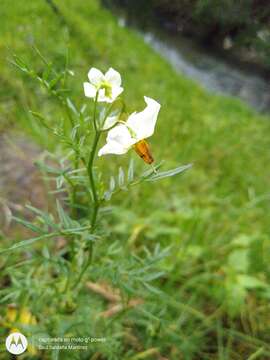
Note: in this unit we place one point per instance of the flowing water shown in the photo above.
(211, 71)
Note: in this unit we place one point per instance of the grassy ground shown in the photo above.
(215, 216)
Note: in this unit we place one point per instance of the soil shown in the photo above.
(20, 180)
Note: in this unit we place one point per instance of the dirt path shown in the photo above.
(20, 181)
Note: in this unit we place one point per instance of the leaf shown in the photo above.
(169, 173)
(89, 237)
(28, 242)
(48, 169)
(47, 218)
(47, 72)
(239, 260)
(112, 184)
(54, 81)
(107, 195)
(152, 170)
(71, 106)
(250, 282)
(41, 119)
(121, 177)
(235, 296)
(59, 182)
(74, 132)
(19, 63)
(28, 225)
(131, 170)
(154, 276)
(65, 220)
(74, 230)
(152, 289)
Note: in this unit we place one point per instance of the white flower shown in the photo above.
(108, 86)
(138, 127)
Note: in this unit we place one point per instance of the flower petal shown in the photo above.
(95, 76)
(119, 141)
(143, 123)
(116, 91)
(102, 97)
(112, 148)
(89, 90)
(113, 77)
(121, 135)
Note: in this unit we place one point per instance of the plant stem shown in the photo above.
(92, 179)
(90, 167)
(94, 192)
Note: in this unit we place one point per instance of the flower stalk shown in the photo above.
(92, 178)
(90, 169)
(96, 202)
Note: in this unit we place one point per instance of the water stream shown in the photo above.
(211, 71)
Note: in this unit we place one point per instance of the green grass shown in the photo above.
(215, 217)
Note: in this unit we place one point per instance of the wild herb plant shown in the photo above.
(80, 193)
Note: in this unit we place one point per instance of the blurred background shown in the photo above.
(223, 45)
(208, 63)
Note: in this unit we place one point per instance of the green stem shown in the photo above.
(92, 179)
(90, 167)
(94, 192)
(96, 205)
